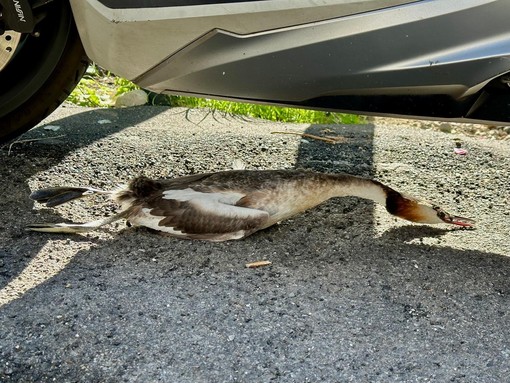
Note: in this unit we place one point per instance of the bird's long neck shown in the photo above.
(342, 185)
(396, 203)
(313, 188)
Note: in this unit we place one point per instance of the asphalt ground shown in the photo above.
(352, 294)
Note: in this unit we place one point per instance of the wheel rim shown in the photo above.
(9, 42)
(34, 58)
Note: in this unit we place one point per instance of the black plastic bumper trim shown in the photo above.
(125, 4)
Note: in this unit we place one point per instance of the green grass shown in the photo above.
(99, 88)
(272, 113)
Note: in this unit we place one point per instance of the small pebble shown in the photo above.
(53, 128)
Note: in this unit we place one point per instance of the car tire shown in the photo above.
(42, 72)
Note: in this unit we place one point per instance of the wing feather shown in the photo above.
(196, 214)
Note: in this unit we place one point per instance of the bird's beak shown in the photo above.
(453, 219)
(459, 221)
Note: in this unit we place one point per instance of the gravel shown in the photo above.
(491, 132)
(352, 293)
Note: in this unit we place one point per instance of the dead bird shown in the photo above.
(234, 204)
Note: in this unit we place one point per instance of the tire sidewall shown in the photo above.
(42, 73)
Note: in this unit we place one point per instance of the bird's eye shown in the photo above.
(440, 213)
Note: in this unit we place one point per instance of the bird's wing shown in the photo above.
(197, 214)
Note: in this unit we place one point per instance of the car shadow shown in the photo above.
(340, 300)
(187, 308)
(41, 148)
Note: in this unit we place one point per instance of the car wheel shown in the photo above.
(38, 70)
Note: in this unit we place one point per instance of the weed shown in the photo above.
(99, 88)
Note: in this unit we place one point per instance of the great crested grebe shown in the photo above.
(234, 204)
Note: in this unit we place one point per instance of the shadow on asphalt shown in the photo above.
(332, 307)
(42, 152)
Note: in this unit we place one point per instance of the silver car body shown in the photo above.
(442, 59)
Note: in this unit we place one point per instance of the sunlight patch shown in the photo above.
(45, 265)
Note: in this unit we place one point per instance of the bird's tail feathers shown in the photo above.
(58, 195)
(74, 228)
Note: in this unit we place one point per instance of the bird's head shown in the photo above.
(415, 210)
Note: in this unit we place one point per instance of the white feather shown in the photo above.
(219, 203)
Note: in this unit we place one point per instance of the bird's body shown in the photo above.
(234, 204)
(226, 205)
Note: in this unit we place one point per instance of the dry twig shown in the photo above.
(253, 265)
(31, 140)
(327, 139)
